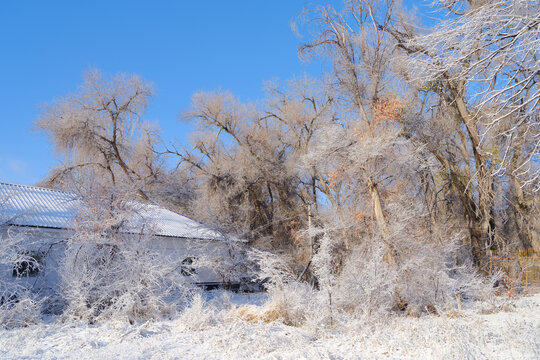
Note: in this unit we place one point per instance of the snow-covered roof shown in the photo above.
(38, 207)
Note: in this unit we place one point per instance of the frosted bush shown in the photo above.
(292, 303)
(427, 275)
(18, 306)
(19, 311)
(287, 298)
(425, 278)
(367, 285)
(199, 315)
(108, 272)
(123, 279)
(288, 303)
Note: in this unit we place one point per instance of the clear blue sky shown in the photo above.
(180, 46)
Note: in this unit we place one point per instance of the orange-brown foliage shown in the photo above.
(333, 177)
(389, 108)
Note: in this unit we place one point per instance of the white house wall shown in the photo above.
(48, 242)
(51, 243)
(209, 252)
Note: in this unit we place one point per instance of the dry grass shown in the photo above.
(256, 314)
(454, 314)
(274, 311)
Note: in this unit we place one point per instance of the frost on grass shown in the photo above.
(502, 335)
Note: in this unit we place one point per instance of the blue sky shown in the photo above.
(180, 46)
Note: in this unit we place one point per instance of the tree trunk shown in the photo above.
(381, 221)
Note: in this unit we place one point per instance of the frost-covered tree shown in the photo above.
(487, 54)
(378, 249)
(477, 73)
(244, 160)
(365, 153)
(100, 129)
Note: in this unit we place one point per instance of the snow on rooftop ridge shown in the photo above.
(26, 205)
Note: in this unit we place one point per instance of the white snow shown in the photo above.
(512, 332)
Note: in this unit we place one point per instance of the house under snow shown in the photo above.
(46, 218)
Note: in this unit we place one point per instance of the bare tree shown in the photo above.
(100, 127)
(367, 140)
(245, 158)
(488, 53)
(477, 75)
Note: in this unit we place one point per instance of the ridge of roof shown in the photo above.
(36, 187)
(27, 205)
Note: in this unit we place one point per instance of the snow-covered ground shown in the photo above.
(512, 331)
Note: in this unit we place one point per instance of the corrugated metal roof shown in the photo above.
(33, 206)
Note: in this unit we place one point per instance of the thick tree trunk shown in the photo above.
(377, 208)
(381, 221)
(527, 226)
